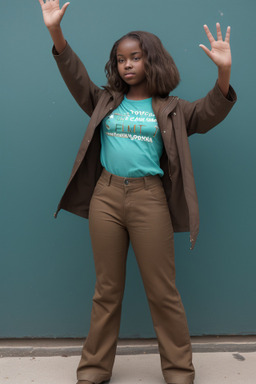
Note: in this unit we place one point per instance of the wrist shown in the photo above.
(58, 38)
(223, 79)
(224, 68)
(54, 28)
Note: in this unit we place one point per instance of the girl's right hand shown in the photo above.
(52, 13)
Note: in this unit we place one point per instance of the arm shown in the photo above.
(75, 75)
(205, 113)
(220, 55)
(85, 92)
(53, 15)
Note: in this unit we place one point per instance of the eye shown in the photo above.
(136, 58)
(120, 60)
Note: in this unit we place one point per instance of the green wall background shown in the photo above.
(46, 272)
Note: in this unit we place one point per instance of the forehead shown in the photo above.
(128, 46)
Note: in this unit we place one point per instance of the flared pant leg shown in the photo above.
(151, 234)
(110, 243)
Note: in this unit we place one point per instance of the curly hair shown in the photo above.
(161, 72)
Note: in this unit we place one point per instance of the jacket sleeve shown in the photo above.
(204, 114)
(75, 75)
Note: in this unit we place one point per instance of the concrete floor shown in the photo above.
(211, 368)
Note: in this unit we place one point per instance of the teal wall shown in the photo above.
(46, 272)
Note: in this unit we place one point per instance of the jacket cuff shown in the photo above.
(231, 96)
(59, 57)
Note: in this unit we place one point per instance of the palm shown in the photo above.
(52, 13)
(220, 53)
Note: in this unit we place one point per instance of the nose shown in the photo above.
(128, 64)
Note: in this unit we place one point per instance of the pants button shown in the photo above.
(126, 182)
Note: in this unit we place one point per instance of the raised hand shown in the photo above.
(220, 53)
(52, 13)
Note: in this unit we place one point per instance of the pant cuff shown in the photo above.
(93, 377)
(179, 379)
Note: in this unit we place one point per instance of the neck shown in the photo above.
(138, 93)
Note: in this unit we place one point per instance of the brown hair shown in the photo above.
(161, 72)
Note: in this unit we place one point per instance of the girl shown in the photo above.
(133, 179)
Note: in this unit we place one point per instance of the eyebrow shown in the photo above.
(133, 53)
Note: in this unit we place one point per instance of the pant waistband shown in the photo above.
(130, 182)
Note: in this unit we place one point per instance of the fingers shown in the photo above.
(207, 51)
(65, 7)
(219, 35)
(208, 34)
(227, 37)
(42, 2)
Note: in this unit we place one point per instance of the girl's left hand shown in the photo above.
(220, 53)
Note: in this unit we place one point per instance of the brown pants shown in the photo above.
(134, 209)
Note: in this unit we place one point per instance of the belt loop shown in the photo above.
(109, 179)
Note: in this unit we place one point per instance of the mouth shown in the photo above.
(128, 75)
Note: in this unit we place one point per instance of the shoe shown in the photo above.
(192, 382)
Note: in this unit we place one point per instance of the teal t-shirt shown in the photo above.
(131, 142)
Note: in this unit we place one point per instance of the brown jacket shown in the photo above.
(177, 119)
